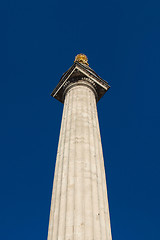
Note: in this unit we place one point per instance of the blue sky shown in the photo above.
(121, 40)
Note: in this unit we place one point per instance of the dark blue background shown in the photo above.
(122, 41)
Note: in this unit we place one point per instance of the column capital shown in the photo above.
(80, 81)
(80, 74)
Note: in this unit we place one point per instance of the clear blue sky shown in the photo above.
(122, 41)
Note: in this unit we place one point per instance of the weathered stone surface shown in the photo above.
(79, 205)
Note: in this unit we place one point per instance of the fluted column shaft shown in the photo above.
(79, 205)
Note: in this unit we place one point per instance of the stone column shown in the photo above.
(79, 205)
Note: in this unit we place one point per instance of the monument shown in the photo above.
(79, 204)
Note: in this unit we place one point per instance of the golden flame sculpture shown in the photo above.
(82, 58)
